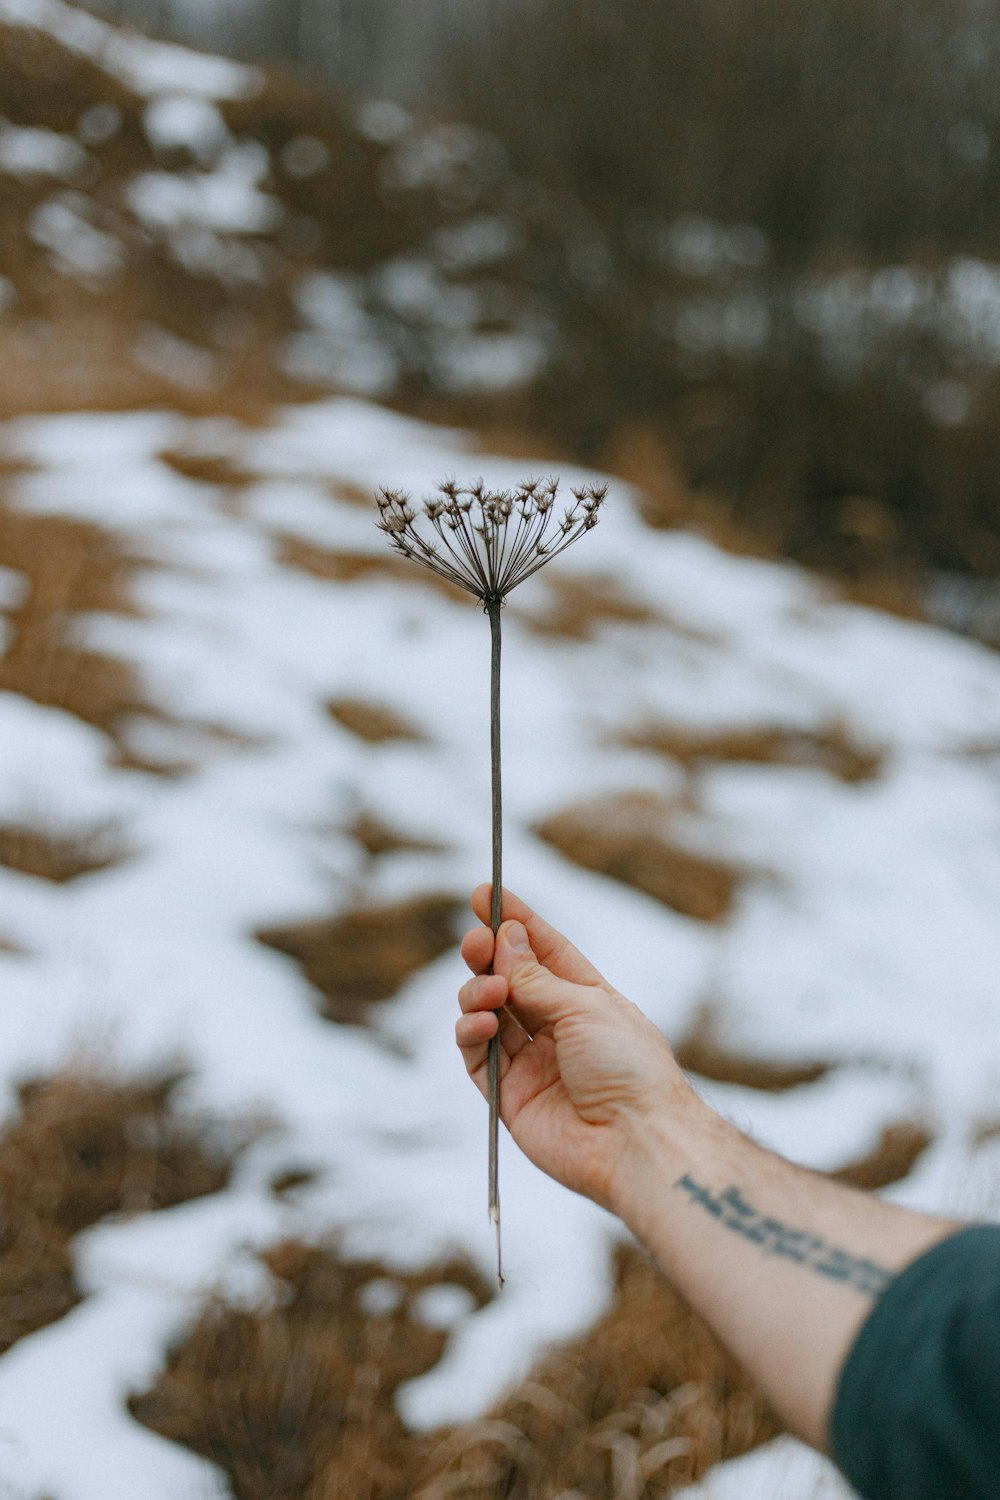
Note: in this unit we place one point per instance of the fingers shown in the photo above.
(477, 949)
(482, 1016)
(537, 997)
(550, 947)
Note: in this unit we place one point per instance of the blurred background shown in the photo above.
(764, 237)
(741, 258)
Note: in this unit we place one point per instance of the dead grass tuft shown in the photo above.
(644, 1403)
(298, 1400)
(377, 838)
(619, 838)
(372, 722)
(84, 1147)
(831, 749)
(287, 1182)
(986, 1131)
(701, 1052)
(71, 566)
(59, 857)
(578, 607)
(354, 567)
(899, 1149)
(360, 959)
(207, 468)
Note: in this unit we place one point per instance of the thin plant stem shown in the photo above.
(487, 542)
(493, 607)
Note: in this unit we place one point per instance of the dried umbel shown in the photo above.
(487, 542)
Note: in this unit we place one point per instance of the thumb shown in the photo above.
(536, 995)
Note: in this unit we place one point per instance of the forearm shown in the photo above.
(785, 1265)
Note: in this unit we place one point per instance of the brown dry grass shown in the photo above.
(207, 468)
(360, 959)
(896, 1153)
(577, 607)
(59, 857)
(71, 566)
(353, 567)
(985, 1131)
(617, 838)
(832, 749)
(298, 1400)
(84, 1147)
(640, 1405)
(372, 722)
(377, 838)
(700, 1051)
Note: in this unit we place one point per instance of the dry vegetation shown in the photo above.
(372, 722)
(70, 567)
(832, 748)
(298, 1400)
(623, 837)
(357, 960)
(59, 857)
(352, 567)
(216, 469)
(83, 1147)
(700, 1051)
(579, 606)
(892, 1158)
(377, 838)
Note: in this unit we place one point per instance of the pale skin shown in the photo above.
(784, 1264)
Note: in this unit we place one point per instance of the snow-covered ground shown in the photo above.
(869, 934)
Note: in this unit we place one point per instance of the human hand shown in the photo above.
(582, 1069)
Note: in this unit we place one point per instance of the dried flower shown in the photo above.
(487, 542)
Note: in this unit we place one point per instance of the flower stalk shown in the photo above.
(487, 542)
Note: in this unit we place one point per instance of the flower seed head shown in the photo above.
(487, 541)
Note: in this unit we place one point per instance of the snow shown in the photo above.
(867, 932)
(227, 199)
(27, 152)
(76, 246)
(184, 121)
(145, 66)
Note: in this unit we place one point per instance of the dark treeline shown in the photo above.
(724, 172)
(869, 126)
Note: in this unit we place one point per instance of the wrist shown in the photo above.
(660, 1144)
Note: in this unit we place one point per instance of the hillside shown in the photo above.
(245, 795)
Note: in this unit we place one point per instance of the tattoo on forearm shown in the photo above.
(733, 1212)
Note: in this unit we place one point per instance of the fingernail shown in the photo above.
(517, 938)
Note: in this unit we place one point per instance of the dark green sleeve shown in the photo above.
(917, 1411)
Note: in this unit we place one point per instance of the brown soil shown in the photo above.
(832, 749)
(372, 722)
(299, 1401)
(58, 857)
(701, 1052)
(84, 1147)
(360, 959)
(617, 837)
